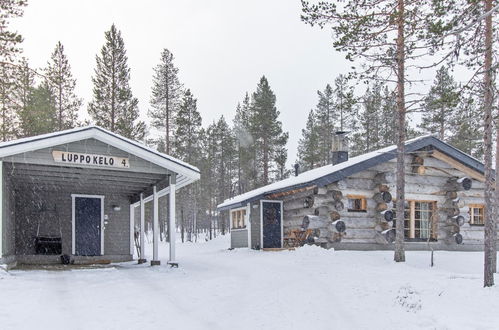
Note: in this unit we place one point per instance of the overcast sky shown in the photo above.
(222, 48)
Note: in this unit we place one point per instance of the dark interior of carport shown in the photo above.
(40, 203)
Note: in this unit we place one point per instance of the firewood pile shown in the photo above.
(451, 208)
(385, 233)
(319, 215)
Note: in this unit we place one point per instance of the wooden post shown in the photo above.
(142, 257)
(171, 222)
(155, 229)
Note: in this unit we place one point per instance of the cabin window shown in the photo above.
(419, 221)
(477, 214)
(238, 218)
(357, 203)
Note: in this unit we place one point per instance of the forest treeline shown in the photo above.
(234, 157)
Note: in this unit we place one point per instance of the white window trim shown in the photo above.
(245, 219)
(248, 223)
(73, 239)
(261, 220)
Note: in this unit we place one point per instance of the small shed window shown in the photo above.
(477, 214)
(238, 218)
(357, 203)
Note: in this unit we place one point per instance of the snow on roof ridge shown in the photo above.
(312, 174)
(98, 128)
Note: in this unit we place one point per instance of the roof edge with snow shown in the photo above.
(14, 147)
(332, 173)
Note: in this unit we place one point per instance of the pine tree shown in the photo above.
(440, 105)
(345, 105)
(113, 106)
(61, 81)
(40, 114)
(9, 52)
(388, 120)
(467, 131)
(368, 138)
(10, 40)
(308, 145)
(7, 102)
(266, 130)
(165, 98)
(326, 117)
(244, 146)
(384, 35)
(25, 84)
(226, 153)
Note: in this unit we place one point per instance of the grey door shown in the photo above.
(87, 226)
(271, 224)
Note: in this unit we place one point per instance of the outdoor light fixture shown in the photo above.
(116, 208)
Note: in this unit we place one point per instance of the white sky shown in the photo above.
(222, 48)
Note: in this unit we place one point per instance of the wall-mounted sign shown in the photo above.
(89, 159)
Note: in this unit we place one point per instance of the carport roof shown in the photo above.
(186, 172)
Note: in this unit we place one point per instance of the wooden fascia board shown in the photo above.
(458, 165)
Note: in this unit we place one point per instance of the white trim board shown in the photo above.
(191, 173)
(261, 220)
(1, 208)
(73, 229)
(248, 215)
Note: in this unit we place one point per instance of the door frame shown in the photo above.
(261, 220)
(73, 239)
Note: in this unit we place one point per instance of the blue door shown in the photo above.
(87, 226)
(271, 223)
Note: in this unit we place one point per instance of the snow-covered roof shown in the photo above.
(186, 172)
(332, 173)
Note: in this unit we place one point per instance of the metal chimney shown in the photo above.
(297, 169)
(339, 151)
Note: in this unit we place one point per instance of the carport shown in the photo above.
(73, 194)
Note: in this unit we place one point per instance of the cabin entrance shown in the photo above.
(88, 225)
(271, 216)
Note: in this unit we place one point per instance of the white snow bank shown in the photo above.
(214, 288)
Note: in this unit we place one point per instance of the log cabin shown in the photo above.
(350, 204)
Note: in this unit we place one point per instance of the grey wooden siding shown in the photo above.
(255, 225)
(8, 229)
(54, 211)
(91, 146)
(239, 238)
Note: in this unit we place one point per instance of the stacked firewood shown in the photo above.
(384, 213)
(325, 221)
(451, 208)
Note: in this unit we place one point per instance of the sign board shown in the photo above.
(90, 159)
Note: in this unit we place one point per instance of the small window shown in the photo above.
(238, 219)
(357, 203)
(477, 212)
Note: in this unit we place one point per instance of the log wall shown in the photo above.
(423, 184)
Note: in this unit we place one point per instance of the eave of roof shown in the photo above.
(329, 173)
(28, 144)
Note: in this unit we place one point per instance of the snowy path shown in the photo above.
(214, 288)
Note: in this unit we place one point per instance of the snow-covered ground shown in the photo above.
(215, 288)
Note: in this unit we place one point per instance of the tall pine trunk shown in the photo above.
(490, 227)
(167, 110)
(399, 255)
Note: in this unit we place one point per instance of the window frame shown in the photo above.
(363, 203)
(412, 221)
(244, 218)
(471, 213)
